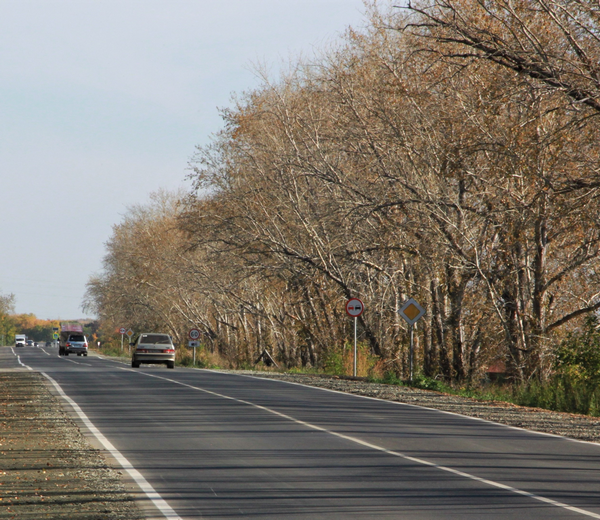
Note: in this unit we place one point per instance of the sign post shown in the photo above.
(122, 331)
(412, 312)
(354, 308)
(129, 334)
(194, 334)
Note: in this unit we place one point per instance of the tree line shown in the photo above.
(447, 151)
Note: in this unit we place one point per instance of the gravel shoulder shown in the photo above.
(47, 467)
(579, 427)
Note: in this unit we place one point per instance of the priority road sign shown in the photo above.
(129, 333)
(354, 307)
(411, 311)
(194, 334)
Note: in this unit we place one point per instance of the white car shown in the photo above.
(153, 348)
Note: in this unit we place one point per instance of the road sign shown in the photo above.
(129, 333)
(354, 307)
(411, 311)
(193, 344)
(55, 335)
(194, 334)
(122, 330)
(54, 329)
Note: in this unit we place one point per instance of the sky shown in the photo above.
(103, 102)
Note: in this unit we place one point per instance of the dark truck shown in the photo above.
(72, 340)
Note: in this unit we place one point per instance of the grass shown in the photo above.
(560, 393)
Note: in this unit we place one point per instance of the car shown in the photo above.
(76, 344)
(30, 343)
(48, 343)
(153, 348)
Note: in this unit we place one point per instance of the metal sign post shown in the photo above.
(412, 312)
(194, 334)
(354, 308)
(122, 331)
(129, 334)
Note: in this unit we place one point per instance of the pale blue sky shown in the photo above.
(102, 102)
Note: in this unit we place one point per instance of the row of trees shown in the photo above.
(7, 329)
(447, 152)
(11, 324)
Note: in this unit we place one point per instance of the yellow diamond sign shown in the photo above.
(411, 311)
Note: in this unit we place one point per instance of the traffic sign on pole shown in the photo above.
(412, 312)
(194, 334)
(354, 307)
(129, 333)
(122, 330)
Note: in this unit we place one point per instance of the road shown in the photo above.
(217, 445)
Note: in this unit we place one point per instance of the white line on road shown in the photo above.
(143, 484)
(76, 362)
(23, 364)
(360, 442)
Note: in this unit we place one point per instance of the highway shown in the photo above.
(221, 446)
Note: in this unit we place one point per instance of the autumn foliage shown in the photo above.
(410, 160)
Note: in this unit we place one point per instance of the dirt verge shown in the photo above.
(48, 470)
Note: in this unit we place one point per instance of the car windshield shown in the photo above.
(155, 339)
(76, 337)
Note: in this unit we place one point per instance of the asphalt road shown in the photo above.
(216, 445)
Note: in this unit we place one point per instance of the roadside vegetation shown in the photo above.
(446, 152)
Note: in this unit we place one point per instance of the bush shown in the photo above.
(204, 359)
(340, 361)
(578, 357)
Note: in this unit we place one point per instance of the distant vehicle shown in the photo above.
(20, 340)
(30, 343)
(72, 340)
(48, 343)
(153, 348)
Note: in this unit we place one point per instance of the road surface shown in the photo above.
(217, 445)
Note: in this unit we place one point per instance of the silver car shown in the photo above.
(153, 348)
(76, 344)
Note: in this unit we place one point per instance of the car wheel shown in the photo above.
(135, 364)
(85, 354)
(170, 364)
(79, 353)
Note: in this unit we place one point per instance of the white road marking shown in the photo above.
(143, 484)
(76, 362)
(23, 364)
(398, 403)
(360, 442)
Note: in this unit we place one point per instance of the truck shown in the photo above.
(20, 340)
(72, 340)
